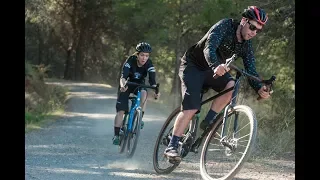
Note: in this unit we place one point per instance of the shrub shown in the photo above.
(40, 98)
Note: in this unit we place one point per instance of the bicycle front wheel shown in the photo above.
(223, 156)
(133, 136)
(123, 136)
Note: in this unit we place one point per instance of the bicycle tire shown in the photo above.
(137, 118)
(123, 141)
(253, 132)
(159, 139)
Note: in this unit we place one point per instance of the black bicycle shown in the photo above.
(228, 142)
(132, 121)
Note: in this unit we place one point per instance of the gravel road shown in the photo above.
(78, 145)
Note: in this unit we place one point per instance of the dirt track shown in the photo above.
(79, 145)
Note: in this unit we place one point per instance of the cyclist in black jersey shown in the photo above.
(207, 57)
(135, 69)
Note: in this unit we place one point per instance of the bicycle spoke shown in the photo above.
(224, 162)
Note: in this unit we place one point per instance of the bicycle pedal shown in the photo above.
(174, 160)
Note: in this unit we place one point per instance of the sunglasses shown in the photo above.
(253, 27)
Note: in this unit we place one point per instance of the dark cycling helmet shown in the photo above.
(143, 47)
(255, 13)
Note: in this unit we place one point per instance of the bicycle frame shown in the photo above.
(135, 105)
(194, 123)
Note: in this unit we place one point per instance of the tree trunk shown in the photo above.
(67, 74)
(78, 70)
(176, 89)
(78, 59)
(67, 70)
(40, 46)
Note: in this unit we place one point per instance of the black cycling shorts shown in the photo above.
(194, 80)
(123, 98)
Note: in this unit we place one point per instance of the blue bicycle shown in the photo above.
(131, 123)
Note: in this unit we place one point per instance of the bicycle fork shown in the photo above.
(226, 141)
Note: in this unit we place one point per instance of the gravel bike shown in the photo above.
(227, 142)
(130, 131)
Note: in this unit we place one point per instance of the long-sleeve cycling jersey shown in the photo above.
(138, 74)
(220, 43)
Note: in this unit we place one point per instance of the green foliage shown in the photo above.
(28, 70)
(164, 63)
(32, 118)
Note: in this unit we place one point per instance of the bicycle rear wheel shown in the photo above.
(161, 165)
(133, 136)
(223, 157)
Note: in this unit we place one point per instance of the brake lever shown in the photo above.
(228, 62)
(269, 84)
(157, 90)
